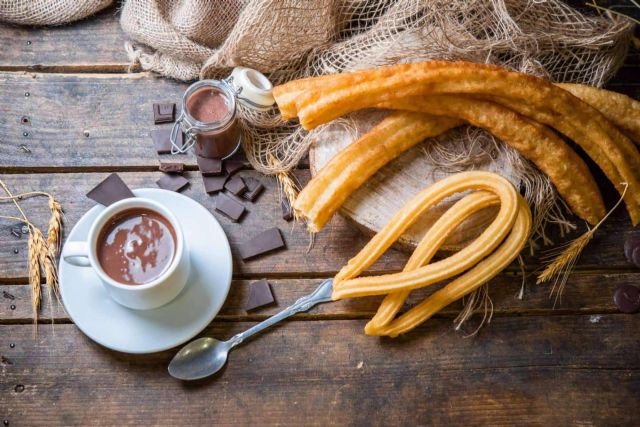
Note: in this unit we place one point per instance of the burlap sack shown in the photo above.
(48, 12)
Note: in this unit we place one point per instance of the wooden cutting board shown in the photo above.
(371, 206)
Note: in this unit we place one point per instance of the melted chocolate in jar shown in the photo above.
(136, 246)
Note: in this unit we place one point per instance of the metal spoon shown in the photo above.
(206, 356)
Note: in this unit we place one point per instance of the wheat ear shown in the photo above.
(562, 263)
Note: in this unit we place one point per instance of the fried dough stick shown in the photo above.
(465, 284)
(346, 286)
(622, 110)
(606, 145)
(433, 239)
(350, 168)
(536, 142)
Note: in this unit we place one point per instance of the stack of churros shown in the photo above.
(432, 97)
(497, 246)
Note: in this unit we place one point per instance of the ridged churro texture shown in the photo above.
(319, 101)
(508, 233)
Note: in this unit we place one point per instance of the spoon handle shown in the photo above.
(320, 295)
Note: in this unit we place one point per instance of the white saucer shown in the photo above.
(148, 331)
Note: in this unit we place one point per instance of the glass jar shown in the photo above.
(209, 112)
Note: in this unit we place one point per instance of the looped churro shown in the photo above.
(513, 219)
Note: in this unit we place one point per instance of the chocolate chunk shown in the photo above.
(162, 140)
(287, 212)
(171, 167)
(254, 188)
(213, 184)
(635, 256)
(233, 166)
(209, 167)
(163, 113)
(627, 298)
(172, 182)
(229, 207)
(110, 191)
(236, 186)
(259, 295)
(264, 242)
(630, 244)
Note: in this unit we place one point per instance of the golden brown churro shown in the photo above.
(536, 142)
(530, 96)
(622, 110)
(513, 220)
(348, 170)
(347, 286)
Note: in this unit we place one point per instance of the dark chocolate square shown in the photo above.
(163, 113)
(236, 186)
(259, 295)
(263, 243)
(254, 188)
(209, 167)
(229, 207)
(171, 167)
(232, 166)
(110, 191)
(213, 184)
(287, 211)
(172, 182)
(162, 140)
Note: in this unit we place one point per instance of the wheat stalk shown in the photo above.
(562, 263)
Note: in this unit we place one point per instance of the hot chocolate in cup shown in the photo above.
(137, 249)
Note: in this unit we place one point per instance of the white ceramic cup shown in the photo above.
(150, 295)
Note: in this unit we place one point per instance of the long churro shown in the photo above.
(346, 285)
(622, 110)
(527, 95)
(348, 170)
(536, 142)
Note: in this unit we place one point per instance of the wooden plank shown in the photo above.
(333, 247)
(522, 370)
(115, 110)
(83, 121)
(96, 43)
(584, 294)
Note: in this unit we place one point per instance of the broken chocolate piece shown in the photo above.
(213, 184)
(236, 186)
(254, 189)
(264, 242)
(232, 166)
(209, 167)
(110, 191)
(172, 182)
(163, 113)
(259, 295)
(229, 207)
(162, 140)
(287, 212)
(171, 167)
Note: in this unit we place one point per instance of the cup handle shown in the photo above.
(77, 253)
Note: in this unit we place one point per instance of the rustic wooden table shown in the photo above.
(66, 97)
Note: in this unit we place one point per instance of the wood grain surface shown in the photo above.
(575, 363)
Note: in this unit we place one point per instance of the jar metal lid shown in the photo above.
(252, 88)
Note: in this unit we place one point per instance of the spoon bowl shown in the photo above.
(199, 359)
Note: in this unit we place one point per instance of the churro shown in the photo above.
(347, 284)
(536, 142)
(530, 96)
(348, 170)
